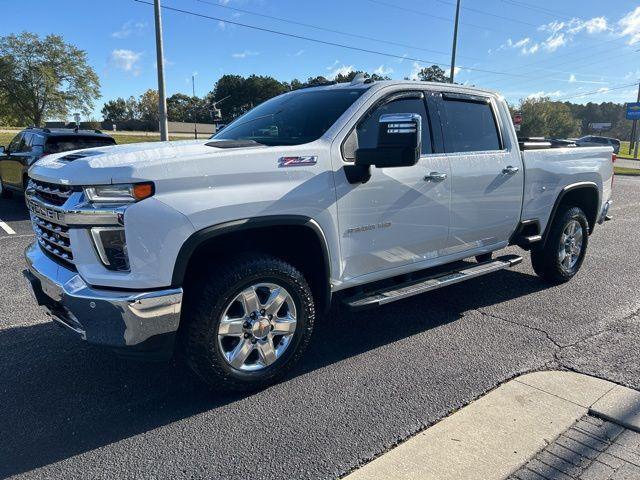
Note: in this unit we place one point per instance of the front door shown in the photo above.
(401, 215)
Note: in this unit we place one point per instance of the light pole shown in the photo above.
(455, 42)
(162, 97)
(195, 122)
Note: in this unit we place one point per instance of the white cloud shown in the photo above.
(382, 70)
(415, 70)
(245, 54)
(456, 71)
(572, 78)
(126, 60)
(630, 25)
(221, 25)
(400, 60)
(342, 70)
(559, 35)
(129, 28)
(298, 53)
(542, 94)
(555, 41)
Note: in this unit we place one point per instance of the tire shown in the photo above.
(215, 343)
(548, 261)
(4, 193)
(485, 257)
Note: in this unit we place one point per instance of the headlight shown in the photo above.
(111, 245)
(123, 193)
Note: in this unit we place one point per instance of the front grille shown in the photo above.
(50, 192)
(53, 238)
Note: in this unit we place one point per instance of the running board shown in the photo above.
(386, 295)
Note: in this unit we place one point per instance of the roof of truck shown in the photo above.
(367, 84)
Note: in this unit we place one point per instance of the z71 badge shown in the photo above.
(297, 161)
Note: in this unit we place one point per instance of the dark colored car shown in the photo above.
(593, 140)
(31, 144)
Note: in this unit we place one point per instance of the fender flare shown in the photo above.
(569, 188)
(201, 236)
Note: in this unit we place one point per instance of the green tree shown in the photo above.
(543, 118)
(432, 74)
(148, 109)
(180, 107)
(45, 78)
(115, 110)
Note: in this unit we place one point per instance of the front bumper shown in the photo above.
(129, 321)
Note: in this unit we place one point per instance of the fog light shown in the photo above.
(111, 246)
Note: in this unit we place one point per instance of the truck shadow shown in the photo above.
(13, 209)
(59, 398)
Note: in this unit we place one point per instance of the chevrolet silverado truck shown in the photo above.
(227, 250)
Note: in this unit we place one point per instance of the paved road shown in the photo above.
(368, 381)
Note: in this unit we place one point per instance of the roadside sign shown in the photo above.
(633, 111)
(601, 126)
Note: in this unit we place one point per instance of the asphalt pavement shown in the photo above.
(368, 381)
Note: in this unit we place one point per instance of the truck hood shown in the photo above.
(123, 163)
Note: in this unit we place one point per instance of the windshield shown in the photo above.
(292, 119)
(59, 144)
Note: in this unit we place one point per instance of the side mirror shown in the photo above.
(399, 142)
(2, 150)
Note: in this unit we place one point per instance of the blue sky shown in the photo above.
(522, 48)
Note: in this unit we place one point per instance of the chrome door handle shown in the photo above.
(510, 170)
(435, 177)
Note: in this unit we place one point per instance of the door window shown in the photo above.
(365, 134)
(367, 130)
(469, 126)
(15, 143)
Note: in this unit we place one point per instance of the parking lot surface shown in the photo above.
(368, 381)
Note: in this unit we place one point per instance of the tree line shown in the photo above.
(47, 78)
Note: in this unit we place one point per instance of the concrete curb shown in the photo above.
(498, 433)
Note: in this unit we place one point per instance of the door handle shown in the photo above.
(510, 170)
(435, 177)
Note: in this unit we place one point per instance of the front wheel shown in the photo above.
(249, 323)
(561, 257)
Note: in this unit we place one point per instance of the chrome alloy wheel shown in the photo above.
(257, 326)
(570, 245)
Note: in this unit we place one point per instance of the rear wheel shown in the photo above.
(562, 255)
(249, 323)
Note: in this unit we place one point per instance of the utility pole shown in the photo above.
(634, 132)
(195, 123)
(162, 96)
(455, 44)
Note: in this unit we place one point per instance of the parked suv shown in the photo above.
(594, 141)
(32, 144)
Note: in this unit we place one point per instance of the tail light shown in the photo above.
(614, 157)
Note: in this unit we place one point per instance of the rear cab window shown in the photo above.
(469, 124)
(64, 143)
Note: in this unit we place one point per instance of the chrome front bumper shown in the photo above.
(107, 317)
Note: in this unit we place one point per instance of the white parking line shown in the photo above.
(7, 228)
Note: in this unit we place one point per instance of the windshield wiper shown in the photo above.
(234, 143)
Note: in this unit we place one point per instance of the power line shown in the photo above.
(425, 14)
(488, 14)
(324, 29)
(595, 92)
(325, 42)
(536, 8)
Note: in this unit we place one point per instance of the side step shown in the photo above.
(531, 239)
(390, 294)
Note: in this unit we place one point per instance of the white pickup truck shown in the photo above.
(365, 193)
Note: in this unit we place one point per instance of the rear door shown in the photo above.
(487, 177)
